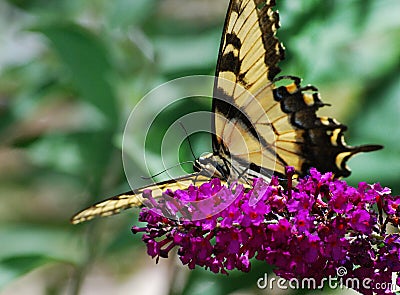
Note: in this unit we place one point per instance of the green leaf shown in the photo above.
(187, 54)
(29, 4)
(22, 240)
(26, 247)
(17, 266)
(87, 59)
(379, 125)
(128, 13)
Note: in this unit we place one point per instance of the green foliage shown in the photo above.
(86, 59)
(70, 73)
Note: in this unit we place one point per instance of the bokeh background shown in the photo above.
(70, 73)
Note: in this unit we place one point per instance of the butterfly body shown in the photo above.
(258, 128)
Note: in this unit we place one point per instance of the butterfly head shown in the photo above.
(211, 165)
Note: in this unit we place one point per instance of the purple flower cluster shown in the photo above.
(306, 231)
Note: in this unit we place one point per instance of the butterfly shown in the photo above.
(259, 128)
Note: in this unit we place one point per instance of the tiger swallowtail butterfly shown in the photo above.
(248, 58)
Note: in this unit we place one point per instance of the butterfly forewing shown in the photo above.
(243, 95)
(135, 198)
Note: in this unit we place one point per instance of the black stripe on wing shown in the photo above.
(250, 51)
(318, 141)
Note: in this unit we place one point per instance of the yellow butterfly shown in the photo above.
(260, 134)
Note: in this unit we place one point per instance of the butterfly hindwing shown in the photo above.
(316, 141)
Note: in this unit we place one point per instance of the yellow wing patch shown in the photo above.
(243, 93)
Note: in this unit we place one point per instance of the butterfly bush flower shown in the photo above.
(305, 231)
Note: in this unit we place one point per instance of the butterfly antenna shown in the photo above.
(159, 173)
(188, 138)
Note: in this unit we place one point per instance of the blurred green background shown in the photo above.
(70, 73)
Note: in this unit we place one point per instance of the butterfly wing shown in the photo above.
(257, 125)
(247, 63)
(135, 198)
